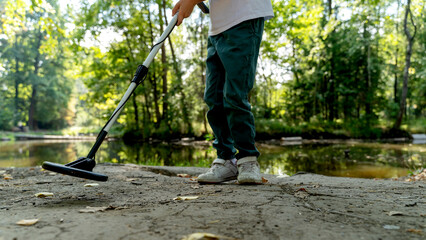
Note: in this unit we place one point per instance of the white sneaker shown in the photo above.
(249, 171)
(221, 171)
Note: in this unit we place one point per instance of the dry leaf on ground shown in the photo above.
(93, 209)
(185, 198)
(91, 185)
(418, 231)
(131, 179)
(215, 221)
(27, 222)
(7, 177)
(395, 213)
(421, 176)
(43, 194)
(264, 180)
(183, 175)
(391, 227)
(205, 236)
(301, 193)
(89, 209)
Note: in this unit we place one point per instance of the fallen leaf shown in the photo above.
(131, 179)
(194, 179)
(391, 227)
(185, 198)
(43, 194)
(93, 209)
(91, 185)
(183, 175)
(264, 180)
(301, 194)
(302, 189)
(215, 221)
(7, 177)
(395, 213)
(205, 236)
(201, 236)
(27, 222)
(418, 231)
(89, 209)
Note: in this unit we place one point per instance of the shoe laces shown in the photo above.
(215, 166)
(248, 167)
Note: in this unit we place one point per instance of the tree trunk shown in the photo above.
(395, 84)
(164, 66)
(409, 50)
(17, 81)
(179, 88)
(332, 99)
(368, 89)
(135, 107)
(203, 71)
(134, 102)
(32, 122)
(152, 77)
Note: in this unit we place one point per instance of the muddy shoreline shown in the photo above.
(141, 202)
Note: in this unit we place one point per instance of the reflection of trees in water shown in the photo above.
(322, 159)
(308, 159)
(325, 159)
(58, 152)
(158, 154)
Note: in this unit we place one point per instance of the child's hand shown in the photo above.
(185, 8)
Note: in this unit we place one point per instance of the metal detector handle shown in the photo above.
(203, 7)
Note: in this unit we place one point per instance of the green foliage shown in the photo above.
(35, 89)
(275, 128)
(328, 69)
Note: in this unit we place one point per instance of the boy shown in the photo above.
(236, 29)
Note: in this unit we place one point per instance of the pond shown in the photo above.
(346, 159)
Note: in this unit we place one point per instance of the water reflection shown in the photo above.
(366, 160)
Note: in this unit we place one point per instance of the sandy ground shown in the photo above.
(138, 202)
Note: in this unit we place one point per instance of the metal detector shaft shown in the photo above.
(83, 166)
(137, 79)
(144, 67)
(203, 7)
(145, 64)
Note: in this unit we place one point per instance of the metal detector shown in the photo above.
(83, 166)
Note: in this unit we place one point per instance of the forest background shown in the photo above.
(327, 69)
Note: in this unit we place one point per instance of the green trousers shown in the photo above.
(231, 69)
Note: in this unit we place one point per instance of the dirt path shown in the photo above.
(138, 203)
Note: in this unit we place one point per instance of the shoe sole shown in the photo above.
(217, 182)
(250, 182)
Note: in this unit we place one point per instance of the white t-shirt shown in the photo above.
(225, 14)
